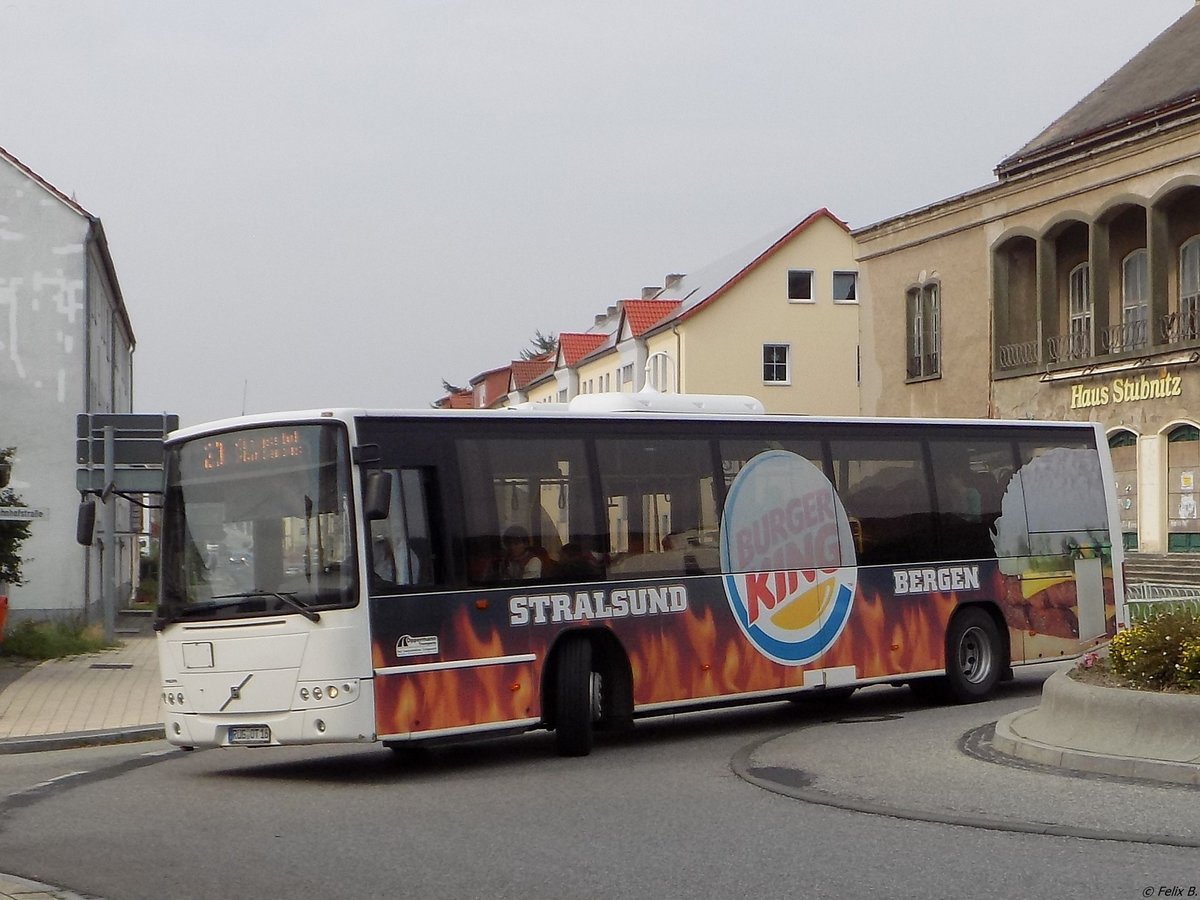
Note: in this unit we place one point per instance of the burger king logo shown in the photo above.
(787, 552)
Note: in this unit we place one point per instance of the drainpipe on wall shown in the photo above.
(679, 352)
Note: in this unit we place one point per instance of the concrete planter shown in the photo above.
(1101, 729)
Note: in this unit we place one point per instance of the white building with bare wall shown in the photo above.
(66, 347)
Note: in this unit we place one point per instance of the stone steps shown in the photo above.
(1174, 568)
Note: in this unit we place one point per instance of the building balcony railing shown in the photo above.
(1181, 327)
(1126, 339)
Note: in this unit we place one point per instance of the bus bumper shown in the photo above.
(351, 723)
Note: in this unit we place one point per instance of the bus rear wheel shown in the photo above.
(974, 653)
(576, 698)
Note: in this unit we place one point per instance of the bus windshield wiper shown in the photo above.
(289, 598)
(220, 600)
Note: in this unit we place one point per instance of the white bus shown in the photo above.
(360, 576)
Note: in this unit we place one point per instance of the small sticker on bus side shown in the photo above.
(408, 645)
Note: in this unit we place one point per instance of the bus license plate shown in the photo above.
(249, 734)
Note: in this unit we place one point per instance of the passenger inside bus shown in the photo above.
(519, 560)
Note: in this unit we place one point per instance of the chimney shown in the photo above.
(649, 293)
(672, 281)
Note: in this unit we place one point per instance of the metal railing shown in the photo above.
(1180, 327)
(1147, 599)
(1132, 335)
(1014, 355)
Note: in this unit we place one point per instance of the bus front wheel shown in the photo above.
(974, 653)
(576, 698)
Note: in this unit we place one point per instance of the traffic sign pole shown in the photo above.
(110, 536)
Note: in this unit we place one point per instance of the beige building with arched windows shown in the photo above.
(1080, 269)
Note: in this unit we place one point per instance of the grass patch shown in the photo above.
(52, 640)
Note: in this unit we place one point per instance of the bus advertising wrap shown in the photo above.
(790, 600)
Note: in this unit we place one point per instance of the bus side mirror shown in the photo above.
(85, 524)
(378, 500)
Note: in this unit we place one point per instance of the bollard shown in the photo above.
(3, 615)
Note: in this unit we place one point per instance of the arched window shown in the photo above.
(924, 344)
(1123, 448)
(1081, 312)
(1189, 289)
(1135, 300)
(1183, 433)
(1183, 480)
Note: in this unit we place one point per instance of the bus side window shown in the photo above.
(884, 489)
(967, 476)
(401, 551)
(529, 511)
(661, 499)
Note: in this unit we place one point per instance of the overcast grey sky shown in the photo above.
(317, 203)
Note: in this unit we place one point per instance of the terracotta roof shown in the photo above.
(527, 371)
(493, 384)
(574, 346)
(643, 315)
(1160, 83)
(463, 399)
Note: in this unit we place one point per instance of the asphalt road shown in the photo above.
(659, 813)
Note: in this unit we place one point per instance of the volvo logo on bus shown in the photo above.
(787, 552)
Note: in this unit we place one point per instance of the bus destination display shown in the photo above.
(261, 448)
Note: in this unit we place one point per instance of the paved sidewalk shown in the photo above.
(94, 698)
(14, 888)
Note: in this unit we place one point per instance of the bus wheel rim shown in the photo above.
(975, 655)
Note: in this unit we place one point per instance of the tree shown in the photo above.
(12, 534)
(541, 345)
(451, 388)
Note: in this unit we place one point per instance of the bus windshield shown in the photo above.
(258, 521)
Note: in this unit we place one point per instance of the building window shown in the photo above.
(845, 287)
(627, 373)
(1183, 515)
(661, 374)
(800, 285)
(1135, 301)
(775, 364)
(924, 317)
(1123, 450)
(1189, 289)
(1080, 312)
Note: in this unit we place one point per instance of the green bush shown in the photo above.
(147, 593)
(1188, 667)
(51, 640)
(1160, 652)
(12, 533)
